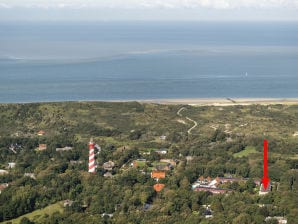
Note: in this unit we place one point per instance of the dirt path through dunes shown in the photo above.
(195, 123)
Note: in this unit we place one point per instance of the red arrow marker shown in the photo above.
(265, 179)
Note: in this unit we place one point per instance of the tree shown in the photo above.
(243, 218)
(250, 185)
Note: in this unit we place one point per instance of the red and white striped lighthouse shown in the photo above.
(91, 157)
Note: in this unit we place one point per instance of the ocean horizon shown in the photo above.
(108, 61)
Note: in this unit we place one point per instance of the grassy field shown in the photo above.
(38, 214)
(248, 150)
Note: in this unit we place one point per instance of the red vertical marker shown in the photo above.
(265, 179)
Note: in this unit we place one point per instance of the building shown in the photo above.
(42, 147)
(208, 213)
(188, 158)
(31, 175)
(264, 191)
(73, 162)
(158, 174)
(161, 151)
(67, 148)
(108, 165)
(2, 172)
(3, 186)
(11, 165)
(41, 133)
(213, 185)
(158, 187)
(162, 137)
(91, 164)
(280, 219)
(106, 215)
(146, 206)
(68, 203)
(206, 182)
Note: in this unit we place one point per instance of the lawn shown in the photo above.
(37, 214)
(248, 150)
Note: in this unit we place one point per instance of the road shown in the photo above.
(195, 123)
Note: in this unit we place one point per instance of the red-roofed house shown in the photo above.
(158, 174)
(158, 187)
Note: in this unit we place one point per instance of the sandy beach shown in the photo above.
(224, 101)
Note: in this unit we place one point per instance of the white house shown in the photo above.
(2, 172)
(11, 165)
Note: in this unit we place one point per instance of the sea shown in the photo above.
(109, 60)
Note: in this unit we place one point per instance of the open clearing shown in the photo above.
(49, 210)
(248, 150)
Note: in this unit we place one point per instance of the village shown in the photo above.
(157, 169)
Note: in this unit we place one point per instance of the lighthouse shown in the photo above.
(91, 157)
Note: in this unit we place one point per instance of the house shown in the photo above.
(31, 175)
(41, 133)
(3, 186)
(73, 162)
(202, 182)
(208, 213)
(42, 147)
(189, 158)
(264, 205)
(161, 151)
(264, 191)
(11, 165)
(158, 187)
(67, 148)
(146, 206)
(162, 137)
(134, 164)
(2, 172)
(108, 174)
(109, 165)
(280, 219)
(158, 174)
(68, 203)
(106, 215)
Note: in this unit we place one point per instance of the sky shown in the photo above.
(105, 10)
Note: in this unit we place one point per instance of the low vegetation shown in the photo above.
(248, 150)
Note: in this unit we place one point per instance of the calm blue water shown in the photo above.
(124, 61)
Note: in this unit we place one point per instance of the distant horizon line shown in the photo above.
(152, 20)
(207, 101)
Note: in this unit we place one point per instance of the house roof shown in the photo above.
(262, 189)
(3, 172)
(41, 132)
(158, 187)
(158, 174)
